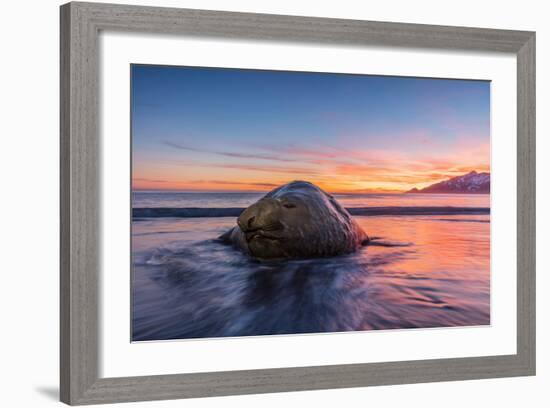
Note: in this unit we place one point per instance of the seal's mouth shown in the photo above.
(269, 232)
(259, 235)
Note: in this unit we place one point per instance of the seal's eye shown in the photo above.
(289, 205)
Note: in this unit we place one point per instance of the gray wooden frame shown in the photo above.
(80, 157)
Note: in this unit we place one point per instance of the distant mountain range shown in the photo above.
(473, 182)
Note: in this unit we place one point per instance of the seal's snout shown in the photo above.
(250, 222)
(246, 221)
(261, 215)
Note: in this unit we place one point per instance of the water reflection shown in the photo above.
(419, 272)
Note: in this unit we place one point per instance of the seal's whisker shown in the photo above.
(274, 226)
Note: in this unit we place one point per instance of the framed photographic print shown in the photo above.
(296, 208)
(242, 193)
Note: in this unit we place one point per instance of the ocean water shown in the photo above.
(153, 199)
(420, 271)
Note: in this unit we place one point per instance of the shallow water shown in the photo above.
(420, 271)
(152, 199)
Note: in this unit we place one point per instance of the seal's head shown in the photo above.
(297, 220)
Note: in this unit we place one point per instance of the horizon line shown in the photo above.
(171, 190)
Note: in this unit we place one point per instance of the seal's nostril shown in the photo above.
(250, 221)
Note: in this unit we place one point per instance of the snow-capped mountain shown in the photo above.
(473, 182)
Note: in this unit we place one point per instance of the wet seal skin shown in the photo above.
(296, 220)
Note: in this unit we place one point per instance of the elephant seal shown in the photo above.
(296, 220)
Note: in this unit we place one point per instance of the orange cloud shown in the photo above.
(334, 169)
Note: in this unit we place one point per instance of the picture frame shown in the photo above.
(81, 24)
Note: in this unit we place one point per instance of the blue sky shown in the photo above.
(194, 127)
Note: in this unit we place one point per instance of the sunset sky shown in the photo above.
(210, 129)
